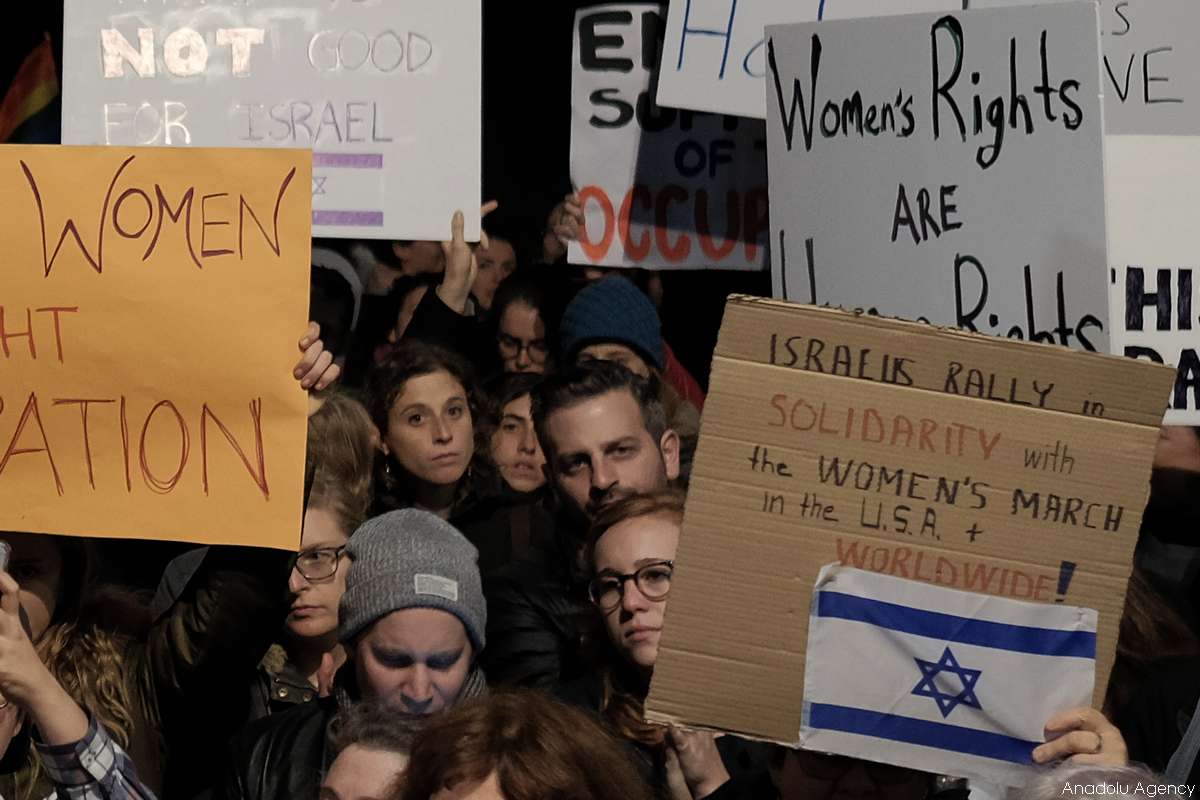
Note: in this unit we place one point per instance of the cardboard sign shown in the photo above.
(1155, 254)
(387, 97)
(972, 462)
(152, 306)
(979, 204)
(660, 188)
(715, 59)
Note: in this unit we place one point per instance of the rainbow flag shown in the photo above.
(28, 112)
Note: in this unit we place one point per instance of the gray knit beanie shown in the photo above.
(411, 559)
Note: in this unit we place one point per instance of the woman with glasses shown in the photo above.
(630, 556)
(341, 452)
(524, 323)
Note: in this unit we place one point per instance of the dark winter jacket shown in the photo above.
(285, 756)
(537, 610)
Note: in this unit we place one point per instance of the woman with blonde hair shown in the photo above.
(341, 457)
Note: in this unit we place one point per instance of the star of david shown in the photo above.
(947, 701)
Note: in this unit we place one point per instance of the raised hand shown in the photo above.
(315, 369)
(461, 265)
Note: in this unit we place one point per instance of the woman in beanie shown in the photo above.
(412, 622)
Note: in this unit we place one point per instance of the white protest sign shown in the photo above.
(1154, 250)
(978, 204)
(387, 97)
(714, 54)
(659, 187)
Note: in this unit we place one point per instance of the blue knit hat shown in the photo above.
(612, 310)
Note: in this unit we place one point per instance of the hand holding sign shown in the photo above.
(461, 264)
(695, 754)
(562, 226)
(316, 369)
(1082, 736)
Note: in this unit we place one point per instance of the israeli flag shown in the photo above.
(937, 679)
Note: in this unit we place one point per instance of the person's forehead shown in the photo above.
(596, 420)
(650, 535)
(519, 317)
(322, 528)
(418, 630)
(608, 350)
(434, 386)
(361, 771)
(519, 407)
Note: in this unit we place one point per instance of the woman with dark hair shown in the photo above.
(526, 322)
(514, 445)
(425, 403)
(518, 746)
(511, 519)
(370, 746)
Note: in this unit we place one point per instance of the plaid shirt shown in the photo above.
(94, 768)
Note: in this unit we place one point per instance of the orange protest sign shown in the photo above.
(152, 303)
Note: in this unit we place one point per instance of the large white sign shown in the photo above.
(943, 167)
(714, 54)
(660, 187)
(1154, 242)
(386, 95)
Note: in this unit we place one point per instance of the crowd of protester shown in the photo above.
(497, 465)
(498, 453)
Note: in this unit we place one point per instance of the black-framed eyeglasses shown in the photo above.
(652, 580)
(511, 347)
(319, 563)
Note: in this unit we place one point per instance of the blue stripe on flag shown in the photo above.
(951, 628)
(921, 732)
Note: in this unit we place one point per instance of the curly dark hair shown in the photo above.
(385, 383)
(372, 726)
